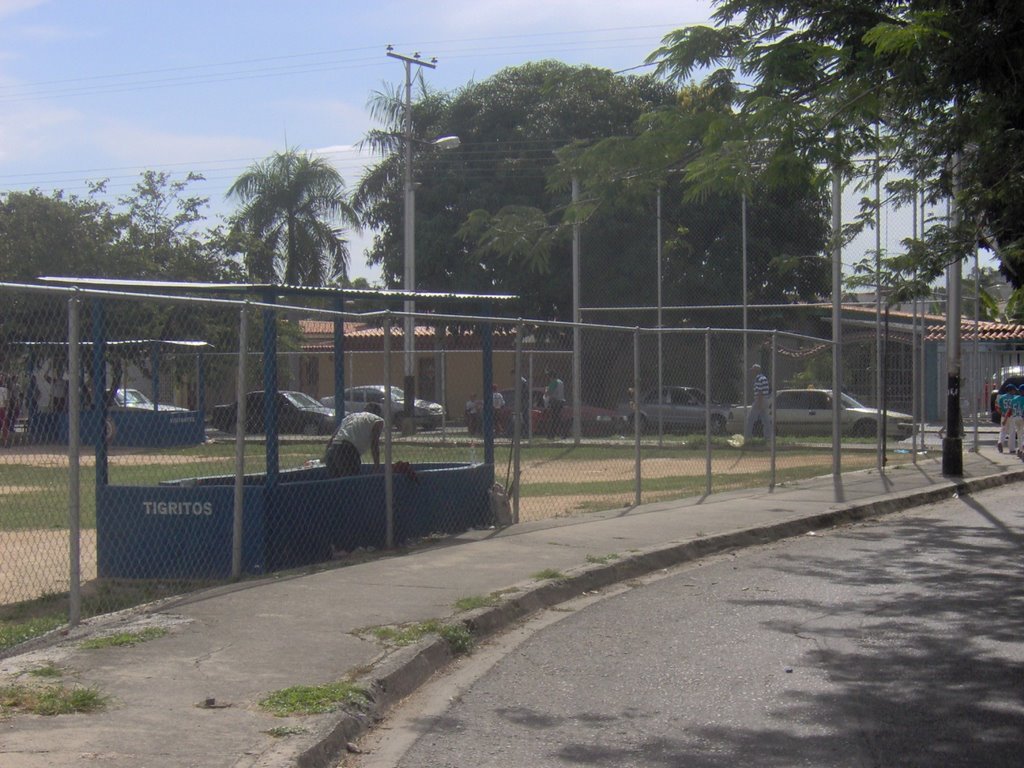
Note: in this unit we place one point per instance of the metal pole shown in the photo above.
(879, 462)
(576, 376)
(915, 403)
(771, 410)
(636, 416)
(661, 367)
(409, 243)
(748, 395)
(952, 442)
(74, 463)
(518, 407)
(389, 491)
(922, 400)
(976, 378)
(837, 328)
(240, 419)
(707, 412)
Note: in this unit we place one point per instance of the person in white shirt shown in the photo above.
(356, 434)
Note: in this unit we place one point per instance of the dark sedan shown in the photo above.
(297, 413)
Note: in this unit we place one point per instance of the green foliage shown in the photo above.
(488, 217)
(290, 225)
(930, 87)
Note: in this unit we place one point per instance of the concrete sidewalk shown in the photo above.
(190, 698)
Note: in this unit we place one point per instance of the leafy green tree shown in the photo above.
(290, 225)
(929, 86)
(510, 127)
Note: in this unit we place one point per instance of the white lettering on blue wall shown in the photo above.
(195, 508)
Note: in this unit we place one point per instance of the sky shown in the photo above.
(105, 89)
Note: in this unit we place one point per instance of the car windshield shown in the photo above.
(132, 397)
(849, 402)
(302, 400)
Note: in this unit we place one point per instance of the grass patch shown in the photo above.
(548, 574)
(47, 670)
(477, 601)
(16, 632)
(315, 699)
(456, 635)
(407, 634)
(602, 559)
(20, 622)
(50, 700)
(458, 638)
(124, 638)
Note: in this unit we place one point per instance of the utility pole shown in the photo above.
(953, 442)
(409, 247)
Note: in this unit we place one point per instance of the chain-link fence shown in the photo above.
(154, 444)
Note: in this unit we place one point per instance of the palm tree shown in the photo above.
(292, 203)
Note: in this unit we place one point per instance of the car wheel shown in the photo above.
(864, 428)
(717, 424)
(310, 428)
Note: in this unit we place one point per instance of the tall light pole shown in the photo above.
(409, 247)
(952, 442)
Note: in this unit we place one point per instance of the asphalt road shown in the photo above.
(897, 642)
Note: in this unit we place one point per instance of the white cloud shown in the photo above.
(13, 7)
(32, 132)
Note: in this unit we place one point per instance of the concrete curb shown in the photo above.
(404, 671)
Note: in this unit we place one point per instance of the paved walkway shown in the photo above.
(190, 698)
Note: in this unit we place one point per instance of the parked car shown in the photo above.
(297, 413)
(679, 408)
(426, 414)
(132, 399)
(594, 421)
(809, 412)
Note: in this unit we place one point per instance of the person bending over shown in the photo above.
(356, 434)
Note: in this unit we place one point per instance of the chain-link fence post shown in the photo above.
(389, 490)
(74, 459)
(636, 416)
(518, 408)
(837, 328)
(707, 412)
(771, 410)
(240, 420)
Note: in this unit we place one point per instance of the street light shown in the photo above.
(409, 247)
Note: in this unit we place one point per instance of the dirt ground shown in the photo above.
(35, 458)
(35, 562)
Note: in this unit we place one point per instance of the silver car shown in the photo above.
(678, 409)
(809, 412)
(426, 414)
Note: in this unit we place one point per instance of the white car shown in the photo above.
(809, 412)
(133, 400)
